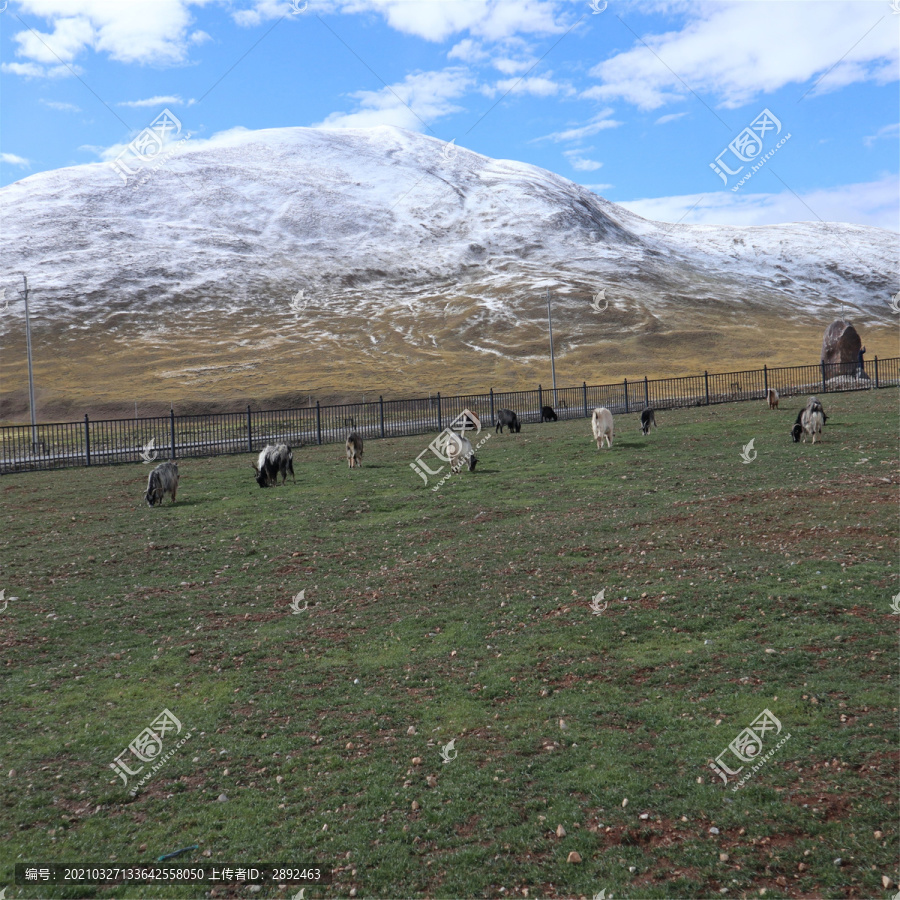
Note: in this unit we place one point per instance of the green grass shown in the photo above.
(464, 613)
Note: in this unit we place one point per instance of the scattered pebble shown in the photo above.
(417, 760)
(574, 857)
(644, 816)
(723, 857)
(632, 869)
(560, 831)
(222, 798)
(414, 805)
(624, 803)
(714, 830)
(411, 729)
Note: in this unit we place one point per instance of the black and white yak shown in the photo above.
(161, 481)
(274, 460)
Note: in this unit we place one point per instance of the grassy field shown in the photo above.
(464, 615)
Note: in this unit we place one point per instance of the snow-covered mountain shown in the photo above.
(384, 230)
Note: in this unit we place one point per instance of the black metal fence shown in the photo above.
(103, 442)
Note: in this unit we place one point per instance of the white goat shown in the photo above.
(602, 426)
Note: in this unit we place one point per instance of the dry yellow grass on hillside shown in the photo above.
(225, 362)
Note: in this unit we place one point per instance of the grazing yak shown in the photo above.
(547, 414)
(162, 480)
(274, 460)
(460, 450)
(510, 419)
(810, 421)
(648, 418)
(602, 426)
(354, 447)
(772, 398)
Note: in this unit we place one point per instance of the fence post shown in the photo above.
(440, 424)
(249, 432)
(172, 430)
(876, 371)
(87, 431)
(646, 393)
(318, 423)
(540, 397)
(626, 395)
(381, 410)
(824, 389)
(706, 380)
(766, 378)
(584, 394)
(493, 423)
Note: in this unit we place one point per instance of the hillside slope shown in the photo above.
(421, 266)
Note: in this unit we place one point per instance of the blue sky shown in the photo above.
(633, 99)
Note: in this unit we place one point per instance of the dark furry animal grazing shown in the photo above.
(274, 460)
(648, 418)
(510, 419)
(161, 481)
(547, 414)
(354, 447)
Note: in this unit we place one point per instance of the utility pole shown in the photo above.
(552, 360)
(34, 440)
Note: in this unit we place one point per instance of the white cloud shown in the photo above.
(598, 122)
(584, 165)
(11, 159)
(597, 187)
(261, 11)
(468, 51)
(493, 20)
(170, 100)
(69, 37)
(536, 86)
(418, 99)
(63, 107)
(580, 163)
(888, 131)
(32, 70)
(735, 51)
(136, 31)
(870, 203)
(670, 118)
